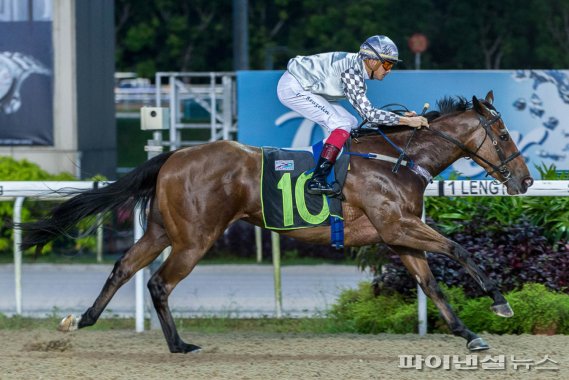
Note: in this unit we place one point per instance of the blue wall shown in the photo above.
(533, 104)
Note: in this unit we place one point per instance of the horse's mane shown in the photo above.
(453, 104)
(448, 105)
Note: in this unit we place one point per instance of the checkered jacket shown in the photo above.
(355, 90)
(339, 75)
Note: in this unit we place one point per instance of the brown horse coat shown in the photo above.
(195, 193)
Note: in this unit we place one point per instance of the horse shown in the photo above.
(193, 194)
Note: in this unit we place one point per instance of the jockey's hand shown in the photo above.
(410, 113)
(414, 121)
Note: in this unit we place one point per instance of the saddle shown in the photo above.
(285, 203)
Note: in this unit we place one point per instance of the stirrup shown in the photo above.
(323, 188)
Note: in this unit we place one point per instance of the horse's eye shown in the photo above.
(504, 137)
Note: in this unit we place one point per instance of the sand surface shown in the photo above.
(121, 354)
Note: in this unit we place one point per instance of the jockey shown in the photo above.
(312, 82)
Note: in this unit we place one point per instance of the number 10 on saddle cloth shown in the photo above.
(285, 203)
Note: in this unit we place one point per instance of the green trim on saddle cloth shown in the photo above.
(284, 202)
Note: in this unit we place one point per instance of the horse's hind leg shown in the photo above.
(181, 262)
(198, 197)
(175, 268)
(142, 253)
(416, 263)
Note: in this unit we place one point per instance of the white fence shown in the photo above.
(18, 191)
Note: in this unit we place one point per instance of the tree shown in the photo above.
(196, 35)
(554, 33)
(173, 35)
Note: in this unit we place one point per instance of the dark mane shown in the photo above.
(448, 105)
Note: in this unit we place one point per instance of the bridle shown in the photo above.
(487, 125)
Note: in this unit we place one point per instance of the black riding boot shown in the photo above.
(318, 184)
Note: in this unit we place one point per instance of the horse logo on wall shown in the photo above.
(15, 68)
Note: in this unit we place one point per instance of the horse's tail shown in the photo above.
(138, 186)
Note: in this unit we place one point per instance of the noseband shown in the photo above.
(487, 125)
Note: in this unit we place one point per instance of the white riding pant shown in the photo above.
(312, 106)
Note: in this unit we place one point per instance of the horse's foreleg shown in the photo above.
(413, 233)
(416, 263)
(138, 256)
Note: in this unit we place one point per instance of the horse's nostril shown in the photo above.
(528, 182)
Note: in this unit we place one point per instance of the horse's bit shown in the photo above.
(487, 124)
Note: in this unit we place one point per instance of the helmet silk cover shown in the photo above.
(379, 48)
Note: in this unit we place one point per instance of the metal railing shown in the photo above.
(212, 96)
(19, 190)
(213, 92)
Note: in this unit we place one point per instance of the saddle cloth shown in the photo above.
(285, 203)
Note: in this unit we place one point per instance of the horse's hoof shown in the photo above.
(503, 310)
(193, 349)
(186, 349)
(69, 323)
(477, 344)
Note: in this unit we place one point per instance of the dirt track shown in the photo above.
(123, 354)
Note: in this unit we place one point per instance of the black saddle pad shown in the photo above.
(285, 203)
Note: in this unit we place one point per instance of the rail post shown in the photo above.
(139, 276)
(422, 298)
(276, 243)
(17, 218)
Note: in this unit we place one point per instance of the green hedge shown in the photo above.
(23, 170)
(549, 213)
(536, 311)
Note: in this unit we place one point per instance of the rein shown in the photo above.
(486, 124)
(403, 157)
(407, 161)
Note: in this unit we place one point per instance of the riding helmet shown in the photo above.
(380, 48)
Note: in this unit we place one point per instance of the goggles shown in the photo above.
(387, 65)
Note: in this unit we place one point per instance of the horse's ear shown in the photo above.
(490, 97)
(478, 107)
